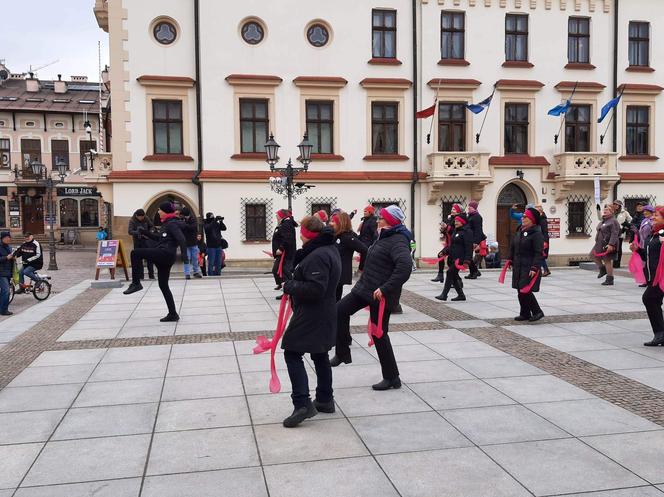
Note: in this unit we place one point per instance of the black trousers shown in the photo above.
(300, 381)
(340, 291)
(287, 269)
(453, 280)
(473, 268)
(618, 259)
(140, 267)
(164, 261)
(348, 306)
(652, 299)
(441, 268)
(529, 304)
(203, 265)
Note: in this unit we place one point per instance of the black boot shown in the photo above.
(440, 277)
(326, 407)
(442, 296)
(133, 288)
(657, 340)
(398, 309)
(608, 281)
(459, 298)
(387, 384)
(536, 317)
(170, 318)
(336, 360)
(521, 318)
(299, 415)
(602, 272)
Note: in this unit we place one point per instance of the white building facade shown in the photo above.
(197, 86)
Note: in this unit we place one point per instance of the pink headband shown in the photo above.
(530, 216)
(335, 219)
(391, 220)
(309, 235)
(461, 220)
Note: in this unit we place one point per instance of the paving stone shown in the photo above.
(430, 371)
(404, 353)
(526, 389)
(202, 413)
(245, 482)
(273, 408)
(89, 460)
(453, 472)
(202, 450)
(439, 336)
(460, 394)
(106, 393)
(541, 330)
(129, 371)
(407, 432)
(257, 382)
(202, 387)
(68, 357)
(334, 478)
(38, 398)
(109, 488)
(88, 422)
(653, 377)
(614, 360)
(639, 452)
(571, 466)
(460, 350)
(574, 343)
(648, 491)
(29, 426)
(591, 327)
(196, 366)
(497, 367)
(16, 460)
(134, 354)
(468, 323)
(368, 402)
(52, 375)
(330, 438)
(188, 350)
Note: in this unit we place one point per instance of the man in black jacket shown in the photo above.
(475, 226)
(138, 225)
(190, 231)
(33, 260)
(368, 230)
(283, 247)
(6, 268)
(213, 226)
(387, 268)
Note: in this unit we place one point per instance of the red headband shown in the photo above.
(457, 208)
(530, 216)
(391, 220)
(283, 213)
(461, 220)
(322, 215)
(335, 219)
(309, 235)
(370, 208)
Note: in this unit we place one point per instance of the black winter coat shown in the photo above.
(461, 246)
(475, 224)
(213, 228)
(526, 256)
(369, 230)
(170, 237)
(284, 239)
(348, 243)
(388, 266)
(650, 254)
(137, 230)
(190, 230)
(6, 266)
(313, 327)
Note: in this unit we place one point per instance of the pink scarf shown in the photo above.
(636, 263)
(263, 344)
(460, 267)
(432, 260)
(503, 273)
(376, 330)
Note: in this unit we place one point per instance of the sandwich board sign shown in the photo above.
(110, 255)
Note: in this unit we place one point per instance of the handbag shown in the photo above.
(224, 244)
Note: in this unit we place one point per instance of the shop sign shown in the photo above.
(554, 227)
(78, 191)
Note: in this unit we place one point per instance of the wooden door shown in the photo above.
(506, 227)
(33, 214)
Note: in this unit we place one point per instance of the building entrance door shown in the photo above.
(33, 214)
(505, 225)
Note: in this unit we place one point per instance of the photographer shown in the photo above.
(190, 231)
(213, 226)
(139, 224)
(625, 221)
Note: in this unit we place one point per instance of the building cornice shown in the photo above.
(157, 80)
(323, 176)
(453, 84)
(519, 84)
(320, 81)
(581, 86)
(253, 79)
(393, 83)
(152, 175)
(639, 89)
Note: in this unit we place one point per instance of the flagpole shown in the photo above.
(555, 137)
(615, 109)
(435, 101)
(477, 136)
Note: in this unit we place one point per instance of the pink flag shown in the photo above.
(263, 344)
(636, 263)
(503, 273)
(529, 286)
(432, 260)
(376, 330)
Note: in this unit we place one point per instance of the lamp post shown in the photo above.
(284, 185)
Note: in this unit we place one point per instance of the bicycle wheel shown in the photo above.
(11, 292)
(41, 289)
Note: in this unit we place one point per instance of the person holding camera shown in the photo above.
(625, 222)
(213, 226)
(190, 231)
(284, 246)
(6, 270)
(138, 223)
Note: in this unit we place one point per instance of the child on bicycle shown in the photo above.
(33, 260)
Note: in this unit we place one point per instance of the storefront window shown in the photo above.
(68, 213)
(89, 212)
(3, 214)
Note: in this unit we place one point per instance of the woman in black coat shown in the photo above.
(460, 250)
(653, 296)
(313, 327)
(446, 230)
(526, 254)
(283, 242)
(347, 243)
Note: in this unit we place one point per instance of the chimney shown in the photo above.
(59, 86)
(79, 79)
(32, 84)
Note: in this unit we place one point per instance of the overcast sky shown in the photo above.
(38, 32)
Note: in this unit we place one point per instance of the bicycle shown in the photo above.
(40, 289)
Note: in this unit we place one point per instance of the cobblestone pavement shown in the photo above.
(101, 399)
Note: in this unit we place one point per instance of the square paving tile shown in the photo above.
(626, 340)
(273, 408)
(653, 377)
(618, 359)
(52, 375)
(407, 432)
(196, 366)
(460, 350)
(109, 488)
(202, 413)
(571, 466)
(539, 330)
(312, 440)
(638, 452)
(497, 367)
(404, 353)
(460, 394)
(187, 350)
(544, 388)
(334, 478)
(364, 401)
(257, 382)
(16, 460)
(502, 424)
(453, 473)
(129, 371)
(89, 460)
(574, 343)
(29, 426)
(133, 354)
(202, 387)
(429, 371)
(104, 393)
(245, 482)
(648, 491)
(591, 327)
(440, 336)
(592, 417)
(38, 398)
(202, 450)
(68, 357)
(88, 422)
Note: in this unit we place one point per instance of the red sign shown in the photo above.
(554, 227)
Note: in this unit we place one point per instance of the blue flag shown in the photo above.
(607, 108)
(478, 108)
(560, 109)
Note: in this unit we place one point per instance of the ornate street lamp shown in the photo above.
(284, 185)
(305, 147)
(272, 150)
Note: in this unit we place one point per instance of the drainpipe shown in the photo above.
(614, 124)
(199, 135)
(413, 182)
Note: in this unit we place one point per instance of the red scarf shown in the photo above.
(166, 217)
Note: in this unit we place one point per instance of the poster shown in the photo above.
(554, 227)
(108, 253)
(597, 190)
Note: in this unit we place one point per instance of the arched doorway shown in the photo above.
(506, 226)
(179, 202)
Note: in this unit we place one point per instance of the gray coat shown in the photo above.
(608, 233)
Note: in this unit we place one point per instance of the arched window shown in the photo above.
(89, 212)
(69, 213)
(179, 203)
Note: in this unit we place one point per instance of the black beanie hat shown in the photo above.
(167, 207)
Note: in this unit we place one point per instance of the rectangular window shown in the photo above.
(167, 126)
(321, 207)
(516, 128)
(576, 218)
(384, 34)
(451, 127)
(254, 125)
(452, 34)
(254, 216)
(630, 203)
(90, 212)
(577, 129)
(578, 40)
(59, 153)
(639, 44)
(84, 146)
(69, 213)
(516, 37)
(638, 130)
(384, 128)
(31, 148)
(5, 153)
(320, 126)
